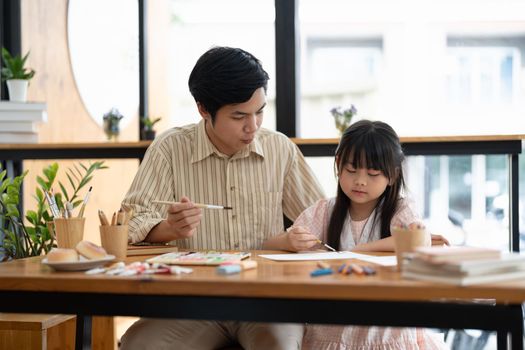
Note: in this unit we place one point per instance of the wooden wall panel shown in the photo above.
(44, 33)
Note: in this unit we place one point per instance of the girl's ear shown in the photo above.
(394, 178)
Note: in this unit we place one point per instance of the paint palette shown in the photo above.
(199, 258)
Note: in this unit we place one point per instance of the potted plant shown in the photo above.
(147, 132)
(33, 237)
(16, 75)
(343, 118)
(111, 123)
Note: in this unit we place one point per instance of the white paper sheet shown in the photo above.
(389, 260)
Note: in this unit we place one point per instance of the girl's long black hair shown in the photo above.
(374, 145)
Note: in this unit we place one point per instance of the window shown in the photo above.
(183, 31)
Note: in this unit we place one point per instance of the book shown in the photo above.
(18, 126)
(507, 262)
(465, 280)
(449, 254)
(30, 111)
(199, 258)
(18, 137)
(150, 249)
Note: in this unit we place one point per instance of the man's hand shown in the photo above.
(183, 218)
(299, 238)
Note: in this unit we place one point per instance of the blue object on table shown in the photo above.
(228, 269)
(321, 272)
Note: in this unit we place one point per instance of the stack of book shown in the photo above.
(19, 121)
(463, 265)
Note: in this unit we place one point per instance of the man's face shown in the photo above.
(236, 124)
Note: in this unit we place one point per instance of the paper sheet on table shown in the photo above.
(389, 260)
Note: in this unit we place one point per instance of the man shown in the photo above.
(226, 159)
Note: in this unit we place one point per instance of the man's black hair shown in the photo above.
(226, 75)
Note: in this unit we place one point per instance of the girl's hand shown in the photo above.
(439, 240)
(299, 238)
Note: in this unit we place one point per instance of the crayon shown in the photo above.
(321, 272)
(369, 270)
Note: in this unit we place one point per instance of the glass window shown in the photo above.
(184, 30)
(426, 68)
(105, 56)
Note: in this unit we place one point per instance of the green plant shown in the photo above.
(33, 239)
(149, 123)
(14, 67)
(343, 118)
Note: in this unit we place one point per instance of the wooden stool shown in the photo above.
(52, 332)
(32, 331)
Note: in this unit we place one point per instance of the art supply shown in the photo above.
(103, 219)
(341, 268)
(347, 270)
(52, 204)
(326, 245)
(321, 272)
(407, 239)
(114, 239)
(197, 205)
(245, 265)
(84, 202)
(369, 270)
(199, 258)
(121, 217)
(323, 265)
(68, 231)
(229, 269)
(358, 270)
(69, 209)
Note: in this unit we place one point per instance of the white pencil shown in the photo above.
(197, 205)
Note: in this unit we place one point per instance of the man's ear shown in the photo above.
(203, 112)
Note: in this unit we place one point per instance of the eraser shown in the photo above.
(321, 272)
(228, 269)
(249, 264)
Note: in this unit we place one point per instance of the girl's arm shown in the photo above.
(381, 245)
(296, 238)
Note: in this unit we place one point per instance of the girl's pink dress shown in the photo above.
(332, 337)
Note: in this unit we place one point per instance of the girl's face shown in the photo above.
(363, 186)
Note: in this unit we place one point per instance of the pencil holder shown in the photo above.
(68, 232)
(407, 240)
(115, 240)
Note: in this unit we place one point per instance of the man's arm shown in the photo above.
(183, 219)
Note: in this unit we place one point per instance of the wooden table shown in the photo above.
(274, 292)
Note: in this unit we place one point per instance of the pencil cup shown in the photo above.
(407, 240)
(68, 232)
(115, 240)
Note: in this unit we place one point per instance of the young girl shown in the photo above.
(368, 203)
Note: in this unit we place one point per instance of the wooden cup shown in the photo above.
(68, 232)
(115, 240)
(407, 240)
